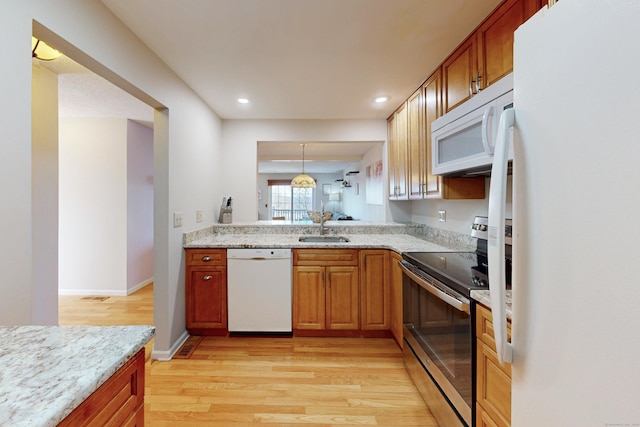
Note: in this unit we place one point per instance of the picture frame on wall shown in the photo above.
(326, 189)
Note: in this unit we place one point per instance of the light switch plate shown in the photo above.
(177, 219)
(442, 216)
(199, 214)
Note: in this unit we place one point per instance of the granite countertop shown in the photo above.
(396, 242)
(484, 298)
(397, 237)
(47, 371)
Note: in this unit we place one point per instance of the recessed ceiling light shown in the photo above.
(382, 99)
(243, 100)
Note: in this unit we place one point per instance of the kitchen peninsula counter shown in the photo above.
(397, 237)
(48, 371)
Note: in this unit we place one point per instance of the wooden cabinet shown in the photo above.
(460, 72)
(493, 382)
(395, 297)
(416, 146)
(206, 291)
(487, 54)
(375, 310)
(495, 39)
(117, 402)
(397, 134)
(325, 290)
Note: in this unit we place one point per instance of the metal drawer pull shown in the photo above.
(206, 258)
(207, 277)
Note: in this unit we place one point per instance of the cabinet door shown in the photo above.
(398, 155)
(493, 386)
(483, 419)
(374, 289)
(417, 156)
(432, 95)
(459, 73)
(342, 298)
(206, 297)
(495, 40)
(308, 297)
(395, 297)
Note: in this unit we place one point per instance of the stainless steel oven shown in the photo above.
(439, 327)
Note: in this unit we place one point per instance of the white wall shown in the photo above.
(240, 139)
(187, 148)
(45, 196)
(139, 206)
(93, 206)
(355, 197)
(459, 213)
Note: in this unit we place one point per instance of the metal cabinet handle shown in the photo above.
(207, 277)
(478, 85)
(471, 82)
(206, 258)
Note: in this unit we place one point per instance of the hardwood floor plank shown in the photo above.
(287, 382)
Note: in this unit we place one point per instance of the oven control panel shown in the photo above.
(481, 225)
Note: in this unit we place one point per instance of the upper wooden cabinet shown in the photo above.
(487, 54)
(460, 72)
(495, 39)
(397, 136)
(424, 106)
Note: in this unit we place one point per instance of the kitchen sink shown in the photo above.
(325, 239)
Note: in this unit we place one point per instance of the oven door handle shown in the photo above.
(449, 299)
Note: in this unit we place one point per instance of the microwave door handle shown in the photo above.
(486, 138)
(496, 235)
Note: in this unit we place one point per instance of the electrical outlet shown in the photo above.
(199, 214)
(177, 219)
(442, 216)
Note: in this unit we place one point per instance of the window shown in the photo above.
(290, 203)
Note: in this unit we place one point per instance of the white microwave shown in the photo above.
(462, 140)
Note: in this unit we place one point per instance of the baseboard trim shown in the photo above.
(105, 292)
(93, 292)
(165, 356)
(139, 286)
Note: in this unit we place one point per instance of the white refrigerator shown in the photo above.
(576, 216)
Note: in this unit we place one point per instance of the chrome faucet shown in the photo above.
(323, 229)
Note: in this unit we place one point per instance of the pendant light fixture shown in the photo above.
(303, 180)
(42, 51)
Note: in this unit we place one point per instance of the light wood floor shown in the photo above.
(277, 381)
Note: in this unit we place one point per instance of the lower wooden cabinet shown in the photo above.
(493, 385)
(375, 311)
(325, 297)
(206, 291)
(117, 402)
(341, 292)
(395, 297)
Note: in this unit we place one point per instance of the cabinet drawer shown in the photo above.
(206, 256)
(484, 327)
(325, 257)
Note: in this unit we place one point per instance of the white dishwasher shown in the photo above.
(259, 294)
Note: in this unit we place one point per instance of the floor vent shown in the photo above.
(188, 347)
(94, 298)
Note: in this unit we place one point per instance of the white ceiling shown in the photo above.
(302, 59)
(293, 59)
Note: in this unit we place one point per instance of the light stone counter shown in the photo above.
(47, 371)
(484, 298)
(397, 237)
